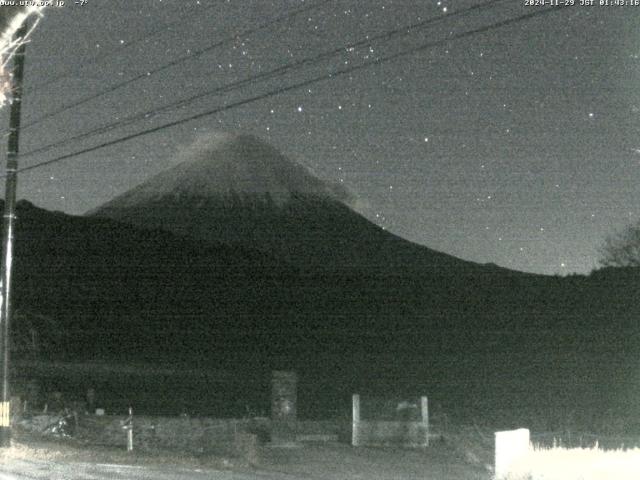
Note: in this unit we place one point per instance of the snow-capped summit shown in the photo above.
(231, 164)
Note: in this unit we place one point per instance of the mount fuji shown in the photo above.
(237, 189)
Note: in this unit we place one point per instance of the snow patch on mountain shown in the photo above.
(225, 164)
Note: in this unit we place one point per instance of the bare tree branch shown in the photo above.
(622, 249)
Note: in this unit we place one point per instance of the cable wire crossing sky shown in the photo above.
(495, 131)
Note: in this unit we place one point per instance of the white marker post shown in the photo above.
(424, 410)
(128, 427)
(355, 424)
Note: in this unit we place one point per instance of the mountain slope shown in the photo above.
(477, 341)
(114, 288)
(238, 190)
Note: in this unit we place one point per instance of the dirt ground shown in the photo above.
(452, 460)
(333, 461)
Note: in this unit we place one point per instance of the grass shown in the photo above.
(577, 464)
(35, 447)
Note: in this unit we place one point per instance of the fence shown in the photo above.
(193, 435)
(407, 431)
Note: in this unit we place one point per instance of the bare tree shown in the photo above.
(11, 19)
(622, 249)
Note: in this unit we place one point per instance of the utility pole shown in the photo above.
(8, 237)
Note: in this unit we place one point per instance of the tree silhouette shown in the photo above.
(11, 19)
(622, 249)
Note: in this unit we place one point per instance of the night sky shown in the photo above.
(516, 145)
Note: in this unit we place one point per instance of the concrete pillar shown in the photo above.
(511, 447)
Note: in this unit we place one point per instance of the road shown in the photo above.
(49, 470)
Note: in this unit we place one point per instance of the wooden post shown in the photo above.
(355, 425)
(424, 410)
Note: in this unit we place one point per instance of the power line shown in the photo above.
(175, 62)
(279, 71)
(298, 85)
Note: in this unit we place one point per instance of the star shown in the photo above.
(485, 112)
